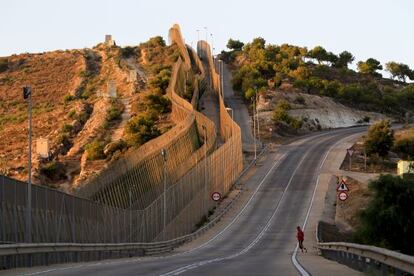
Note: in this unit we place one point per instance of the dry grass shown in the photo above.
(51, 76)
(358, 198)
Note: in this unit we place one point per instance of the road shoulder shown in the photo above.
(312, 261)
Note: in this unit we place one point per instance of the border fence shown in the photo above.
(118, 212)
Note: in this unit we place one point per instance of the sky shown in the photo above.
(382, 29)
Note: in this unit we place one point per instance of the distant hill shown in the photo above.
(269, 71)
(90, 104)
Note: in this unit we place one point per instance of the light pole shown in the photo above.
(130, 215)
(221, 72)
(27, 95)
(212, 46)
(205, 166)
(254, 127)
(205, 28)
(164, 156)
(198, 39)
(257, 117)
(230, 110)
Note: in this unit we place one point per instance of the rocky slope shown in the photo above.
(83, 101)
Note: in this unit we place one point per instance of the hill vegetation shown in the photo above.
(388, 219)
(260, 67)
(86, 127)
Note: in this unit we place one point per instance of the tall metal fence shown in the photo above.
(114, 216)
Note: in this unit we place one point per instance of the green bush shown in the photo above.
(141, 129)
(53, 170)
(66, 128)
(158, 103)
(72, 114)
(68, 98)
(388, 219)
(64, 140)
(128, 52)
(161, 80)
(380, 138)
(4, 64)
(113, 113)
(405, 148)
(95, 150)
(281, 115)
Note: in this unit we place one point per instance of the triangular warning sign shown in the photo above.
(342, 187)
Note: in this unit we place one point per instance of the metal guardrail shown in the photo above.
(368, 258)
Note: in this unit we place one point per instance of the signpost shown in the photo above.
(342, 186)
(216, 196)
(350, 152)
(343, 196)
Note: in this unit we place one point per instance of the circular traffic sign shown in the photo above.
(343, 196)
(216, 196)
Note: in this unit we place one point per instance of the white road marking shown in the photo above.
(181, 270)
(202, 245)
(295, 262)
(279, 160)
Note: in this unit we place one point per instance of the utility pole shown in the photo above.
(164, 155)
(27, 95)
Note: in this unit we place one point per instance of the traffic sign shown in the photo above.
(343, 196)
(216, 196)
(350, 151)
(342, 187)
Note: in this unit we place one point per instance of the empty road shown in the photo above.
(260, 240)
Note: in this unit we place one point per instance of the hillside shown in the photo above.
(300, 90)
(92, 105)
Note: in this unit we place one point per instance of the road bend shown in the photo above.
(259, 240)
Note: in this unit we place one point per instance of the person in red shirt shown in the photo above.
(301, 237)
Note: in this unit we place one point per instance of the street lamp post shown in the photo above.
(198, 39)
(254, 127)
(130, 215)
(205, 166)
(257, 117)
(221, 72)
(212, 46)
(27, 95)
(164, 155)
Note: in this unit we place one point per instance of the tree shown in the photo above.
(319, 53)
(370, 66)
(388, 219)
(141, 129)
(332, 58)
(380, 138)
(344, 59)
(399, 70)
(235, 45)
(259, 42)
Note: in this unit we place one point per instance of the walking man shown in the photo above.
(301, 236)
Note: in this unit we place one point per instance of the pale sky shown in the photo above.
(382, 29)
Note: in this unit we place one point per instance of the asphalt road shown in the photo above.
(261, 239)
(240, 113)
